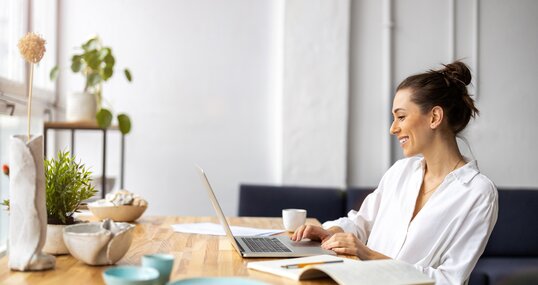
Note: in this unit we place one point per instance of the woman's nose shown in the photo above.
(394, 129)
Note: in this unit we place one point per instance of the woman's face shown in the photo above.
(410, 125)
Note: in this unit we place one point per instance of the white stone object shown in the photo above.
(120, 197)
(99, 243)
(28, 214)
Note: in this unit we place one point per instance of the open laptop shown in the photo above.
(254, 246)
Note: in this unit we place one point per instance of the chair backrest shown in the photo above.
(268, 201)
(355, 197)
(516, 231)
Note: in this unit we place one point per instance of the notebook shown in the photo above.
(273, 246)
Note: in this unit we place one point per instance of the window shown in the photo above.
(17, 17)
(12, 27)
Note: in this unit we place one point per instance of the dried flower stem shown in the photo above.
(31, 79)
(32, 49)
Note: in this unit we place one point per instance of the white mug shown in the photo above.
(293, 218)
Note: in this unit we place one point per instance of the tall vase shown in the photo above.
(28, 214)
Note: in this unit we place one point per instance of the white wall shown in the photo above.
(202, 93)
(255, 91)
(369, 155)
(504, 136)
(315, 92)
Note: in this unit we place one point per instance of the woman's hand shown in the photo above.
(311, 232)
(344, 243)
(349, 244)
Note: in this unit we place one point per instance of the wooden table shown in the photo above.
(195, 255)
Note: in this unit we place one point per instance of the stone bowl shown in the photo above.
(100, 243)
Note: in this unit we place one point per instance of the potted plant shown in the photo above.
(67, 185)
(96, 63)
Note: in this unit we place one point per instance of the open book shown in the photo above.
(349, 271)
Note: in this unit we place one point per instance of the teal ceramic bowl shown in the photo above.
(131, 275)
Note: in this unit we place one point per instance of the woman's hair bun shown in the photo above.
(458, 72)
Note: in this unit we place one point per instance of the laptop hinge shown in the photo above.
(241, 249)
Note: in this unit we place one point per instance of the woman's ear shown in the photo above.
(436, 117)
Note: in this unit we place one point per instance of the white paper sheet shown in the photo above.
(217, 230)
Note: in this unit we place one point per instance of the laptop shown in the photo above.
(269, 246)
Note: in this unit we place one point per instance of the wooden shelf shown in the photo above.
(80, 125)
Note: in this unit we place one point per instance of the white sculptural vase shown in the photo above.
(28, 214)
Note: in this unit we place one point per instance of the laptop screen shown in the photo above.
(218, 210)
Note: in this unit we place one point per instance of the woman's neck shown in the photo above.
(443, 157)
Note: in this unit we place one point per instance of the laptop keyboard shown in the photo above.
(265, 244)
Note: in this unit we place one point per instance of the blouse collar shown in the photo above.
(464, 174)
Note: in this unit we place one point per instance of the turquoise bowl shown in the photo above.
(131, 275)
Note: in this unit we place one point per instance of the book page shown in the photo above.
(349, 271)
(275, 266)
(371, 272)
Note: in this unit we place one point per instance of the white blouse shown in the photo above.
(446, 237)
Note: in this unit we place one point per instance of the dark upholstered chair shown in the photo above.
(513, 246)
(355, 197)
(268, 201)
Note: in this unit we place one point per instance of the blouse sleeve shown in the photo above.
(466, 245)
(360, 222)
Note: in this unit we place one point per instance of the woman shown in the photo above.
(435, 211)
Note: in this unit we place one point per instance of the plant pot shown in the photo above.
(81, 106)
(55, 240)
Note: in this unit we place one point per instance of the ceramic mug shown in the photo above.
(293, 218)
(162, 262)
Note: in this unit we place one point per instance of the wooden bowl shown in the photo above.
(123, 213)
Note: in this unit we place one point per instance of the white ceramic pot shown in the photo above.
(55, 240)
(81, 106)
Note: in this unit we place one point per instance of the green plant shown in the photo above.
(96, 63)
(67, 185)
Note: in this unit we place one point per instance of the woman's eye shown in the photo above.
(401, 118)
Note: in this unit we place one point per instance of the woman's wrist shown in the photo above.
(335, 229)
(331, 231)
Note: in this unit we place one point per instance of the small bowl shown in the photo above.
(98, 243)
(131, 275)
(124, 213)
